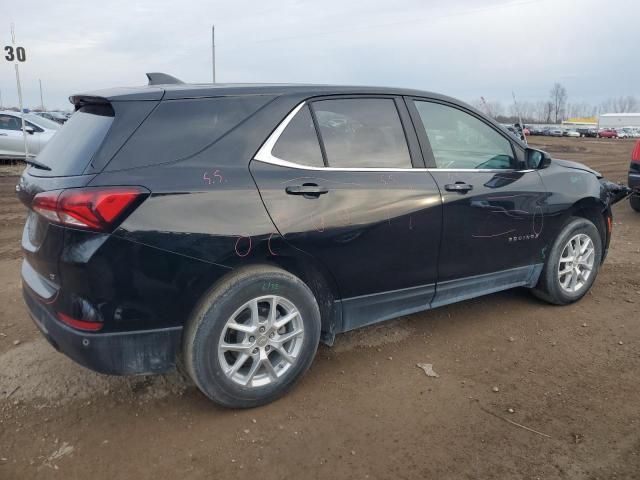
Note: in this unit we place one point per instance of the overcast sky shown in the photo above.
(463, 48)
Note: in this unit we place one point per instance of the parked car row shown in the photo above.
(625, 132)
(550, 131)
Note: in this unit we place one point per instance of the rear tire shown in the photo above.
(634, 200)
(252, 337)
(572, 264)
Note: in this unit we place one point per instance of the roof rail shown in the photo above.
(158, 78)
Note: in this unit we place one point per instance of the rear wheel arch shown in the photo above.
(310, 272)
(322, 285)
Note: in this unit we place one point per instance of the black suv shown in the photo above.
(230, 228)
(587, 132)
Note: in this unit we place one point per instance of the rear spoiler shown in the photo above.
(158, 78)
(82, 100)
(153, 91)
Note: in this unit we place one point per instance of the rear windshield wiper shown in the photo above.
(34, 163)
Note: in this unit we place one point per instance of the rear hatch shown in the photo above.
(71, 159)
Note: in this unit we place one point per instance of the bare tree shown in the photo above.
(548, 111)
(626, 104)
(555, 109)
(493, 108)
(558, 99)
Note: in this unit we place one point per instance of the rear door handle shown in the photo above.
(459, 187)
(308, 190)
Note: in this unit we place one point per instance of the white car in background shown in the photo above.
(572, 133)
(39, 132)
(622, 133)
(629, 132)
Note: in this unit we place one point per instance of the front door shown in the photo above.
(493, 215)
(339, 183)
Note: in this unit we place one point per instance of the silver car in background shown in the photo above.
(39, 132)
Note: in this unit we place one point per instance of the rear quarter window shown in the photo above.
(178, 129)
(71, 149)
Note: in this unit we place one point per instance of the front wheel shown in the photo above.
(252, 337)
(572, 264)
(634, 200)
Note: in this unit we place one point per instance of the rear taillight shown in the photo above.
(635, 155)
(94, 208)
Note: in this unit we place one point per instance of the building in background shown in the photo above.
(581, 122)
(619, 120)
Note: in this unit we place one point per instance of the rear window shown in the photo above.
(71, 149)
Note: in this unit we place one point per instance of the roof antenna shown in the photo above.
(158, 78)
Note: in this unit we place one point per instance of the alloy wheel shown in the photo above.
(261, 341)
(576, 263)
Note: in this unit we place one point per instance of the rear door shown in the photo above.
(493, 205)
(339, 179)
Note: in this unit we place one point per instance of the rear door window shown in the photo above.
(299, 141)
(71, 149)
(362, 133)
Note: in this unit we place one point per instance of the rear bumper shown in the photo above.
(120, 353)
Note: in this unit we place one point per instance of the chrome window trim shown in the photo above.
(264, 155)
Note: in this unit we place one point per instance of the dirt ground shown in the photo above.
(570, 375)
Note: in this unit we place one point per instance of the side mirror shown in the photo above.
(29, 130)
(537, 159)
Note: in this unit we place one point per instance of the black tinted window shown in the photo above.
(70, 150)
(459, 140)
(362, 133)
(178, 129)
(299, 142)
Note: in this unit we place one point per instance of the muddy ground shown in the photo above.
(570, 375)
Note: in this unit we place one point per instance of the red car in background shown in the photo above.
(607, 133)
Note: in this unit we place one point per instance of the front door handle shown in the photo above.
(459, 187)
(308, 190)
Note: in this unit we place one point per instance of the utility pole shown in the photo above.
(1, 104)
(213, 51)
(41, 100)
(24, 132)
